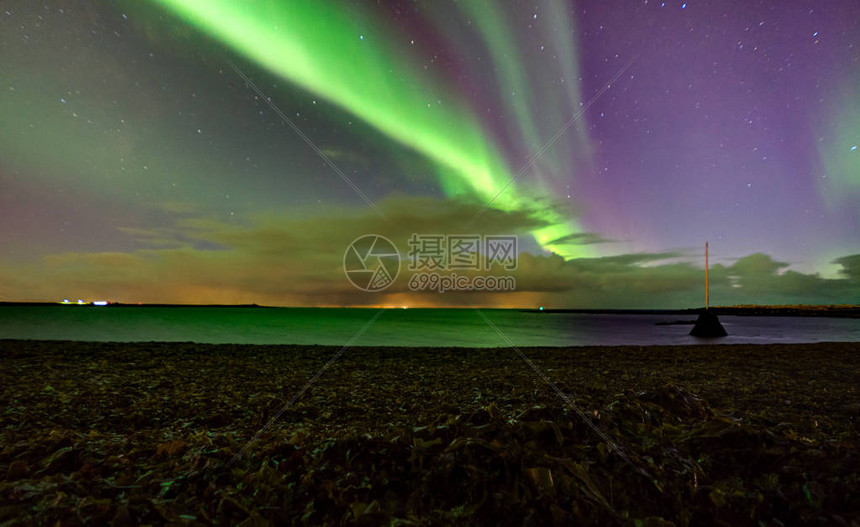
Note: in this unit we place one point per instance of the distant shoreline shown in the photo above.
(846, 311)
(836, 311)
(120, 304)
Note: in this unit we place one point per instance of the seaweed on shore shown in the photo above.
(439, 437)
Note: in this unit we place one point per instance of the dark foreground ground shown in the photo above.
(144, 433)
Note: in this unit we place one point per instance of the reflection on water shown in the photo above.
(398, 327)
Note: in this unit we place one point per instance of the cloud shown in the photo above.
(580, 238)
(297, 259)
(757, 264)
(758, 278)
(850, 266)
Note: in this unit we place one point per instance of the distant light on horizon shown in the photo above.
(100, 303)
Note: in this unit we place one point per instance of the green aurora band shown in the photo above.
(347, 60)
(526, 90)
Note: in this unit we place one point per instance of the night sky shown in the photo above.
(138, 164)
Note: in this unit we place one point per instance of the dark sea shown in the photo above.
(399, 327)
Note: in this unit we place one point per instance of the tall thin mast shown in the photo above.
(707, 325)
(706, 276)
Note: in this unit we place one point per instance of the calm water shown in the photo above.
(397, 327)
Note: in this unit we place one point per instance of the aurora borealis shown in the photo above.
(137, 165)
